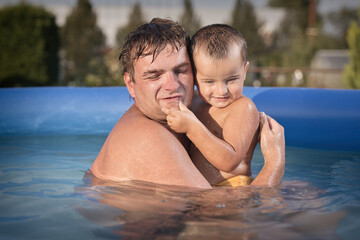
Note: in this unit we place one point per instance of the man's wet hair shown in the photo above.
(150, 39)
(218, 39)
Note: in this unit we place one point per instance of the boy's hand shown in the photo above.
(180, 120)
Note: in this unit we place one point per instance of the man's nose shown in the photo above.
(171, 82)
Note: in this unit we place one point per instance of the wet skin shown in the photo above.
(141, 145)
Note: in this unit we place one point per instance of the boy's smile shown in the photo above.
(220, 81)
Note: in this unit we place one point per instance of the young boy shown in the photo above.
(224, 131)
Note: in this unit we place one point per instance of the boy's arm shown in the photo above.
(238, 132)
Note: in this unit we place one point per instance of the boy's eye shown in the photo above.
(231, 79)
(208, 81)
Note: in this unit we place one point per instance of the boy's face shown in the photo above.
(220, 81)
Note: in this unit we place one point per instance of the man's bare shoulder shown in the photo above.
(134, 130)
(142, 149)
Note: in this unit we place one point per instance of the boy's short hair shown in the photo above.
(217, 39)
(150, 39)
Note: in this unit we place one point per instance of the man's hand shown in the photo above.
(272, 139)
(272, 144)
(180, 120)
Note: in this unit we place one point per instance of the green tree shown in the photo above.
(243, 19)
(136, 19)
(29, 45)
(188, 18)
(112, 76)
(341, 20)
(296, 21)
(299, 35)
(297, 14)
(83, 44)
(351, 75)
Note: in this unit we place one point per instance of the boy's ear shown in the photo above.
(247, 66)
(129, 84)
(245, 69)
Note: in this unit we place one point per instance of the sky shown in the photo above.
(113, 14)
(324, 5)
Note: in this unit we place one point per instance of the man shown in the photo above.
(158, 75)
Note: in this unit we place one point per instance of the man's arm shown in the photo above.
(272, 144)
(238, 133)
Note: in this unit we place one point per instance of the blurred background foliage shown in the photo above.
(351, 75)
(135, 19)
(188, 19)
(83, 44)
(29, 46)
(37, 52)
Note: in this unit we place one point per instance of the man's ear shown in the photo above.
(129, 84)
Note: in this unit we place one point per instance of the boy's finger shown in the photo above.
(166, 111)
(182, 106)
(168, 119)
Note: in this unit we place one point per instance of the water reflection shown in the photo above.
(140, 210)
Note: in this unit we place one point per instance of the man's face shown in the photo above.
(220, 82)
(162, 83)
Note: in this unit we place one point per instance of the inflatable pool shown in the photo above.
(49, 138)
(312, 118)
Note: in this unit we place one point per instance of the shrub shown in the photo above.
(29, 46)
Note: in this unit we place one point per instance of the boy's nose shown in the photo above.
(221, 89)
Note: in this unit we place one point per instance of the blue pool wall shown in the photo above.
(312, 118)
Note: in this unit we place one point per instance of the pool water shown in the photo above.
(44, 195)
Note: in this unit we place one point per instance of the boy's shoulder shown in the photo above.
(243, 108)
(243, 111)
(242, 104)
